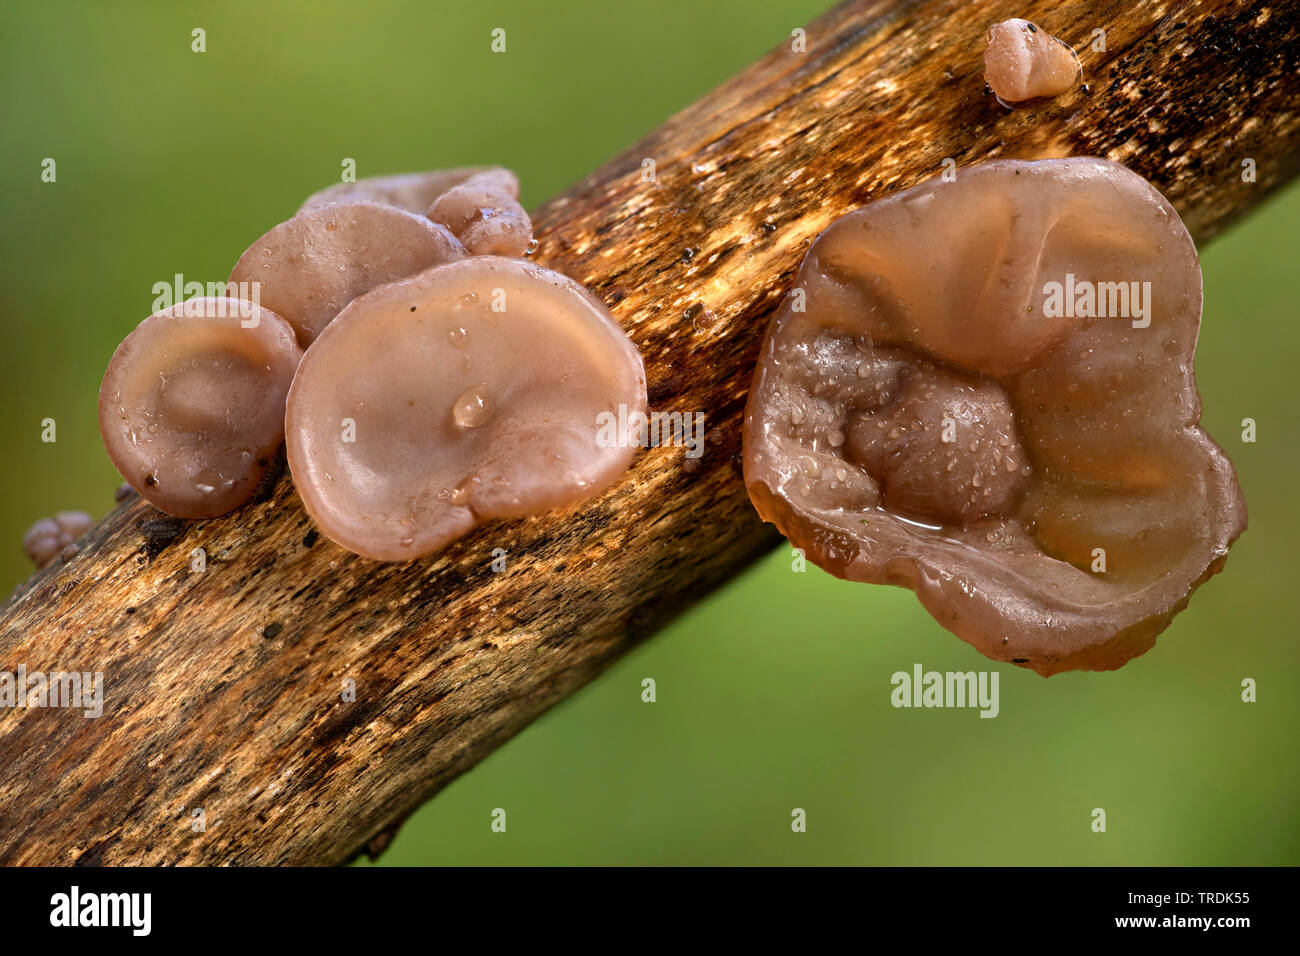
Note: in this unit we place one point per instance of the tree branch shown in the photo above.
(223, 687)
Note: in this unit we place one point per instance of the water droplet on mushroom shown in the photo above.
(471, 408)
(459, 337)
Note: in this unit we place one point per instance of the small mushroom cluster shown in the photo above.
(1023, 62)
(1008, 428)
(425, 376)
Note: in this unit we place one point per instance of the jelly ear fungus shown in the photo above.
(309, 267)
(1008, 427)
(1023, 62)
(191, 408)
(470, 392)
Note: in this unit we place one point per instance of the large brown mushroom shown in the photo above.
(191, 408)
(983, 390)
(469, 392)
(309, 267)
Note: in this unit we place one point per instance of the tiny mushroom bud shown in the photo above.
(1023, 62)
(473, 391)
(485, 214)
(308, 268)
(49, 537)
(191, 408)
(414, 192)
(990, 385)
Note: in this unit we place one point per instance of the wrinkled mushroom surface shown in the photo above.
(191, 408)
(485, 214)
(309, 267)
(1024, 62)
(928, 412)
(469, 392)
(414, 192)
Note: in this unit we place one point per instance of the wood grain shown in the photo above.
(224, 688)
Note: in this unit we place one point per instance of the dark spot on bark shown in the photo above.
(664, 388)
(272, 630)
(93, 856)
(270, 478)
(311, 538)
(378, 843)
(1020, 660)
(688, 254)
(159, 532)
(768, 228)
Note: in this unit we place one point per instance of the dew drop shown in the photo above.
(459, 337)
(472, 409)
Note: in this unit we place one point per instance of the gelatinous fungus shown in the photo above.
(1023, 62)
(191, 408)
(983, 390)
(414, 192)
(484, 213)
(47, 538)
(469, 392)
(309, 267)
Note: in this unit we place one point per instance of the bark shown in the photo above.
(224, 689)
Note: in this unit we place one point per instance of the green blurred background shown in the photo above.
(773, 694)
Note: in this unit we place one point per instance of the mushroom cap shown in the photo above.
(485, 214)
(925, 419)
(191, 408)
(309, 267)
(1024, 62)
(471, 391)
(414, 192)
